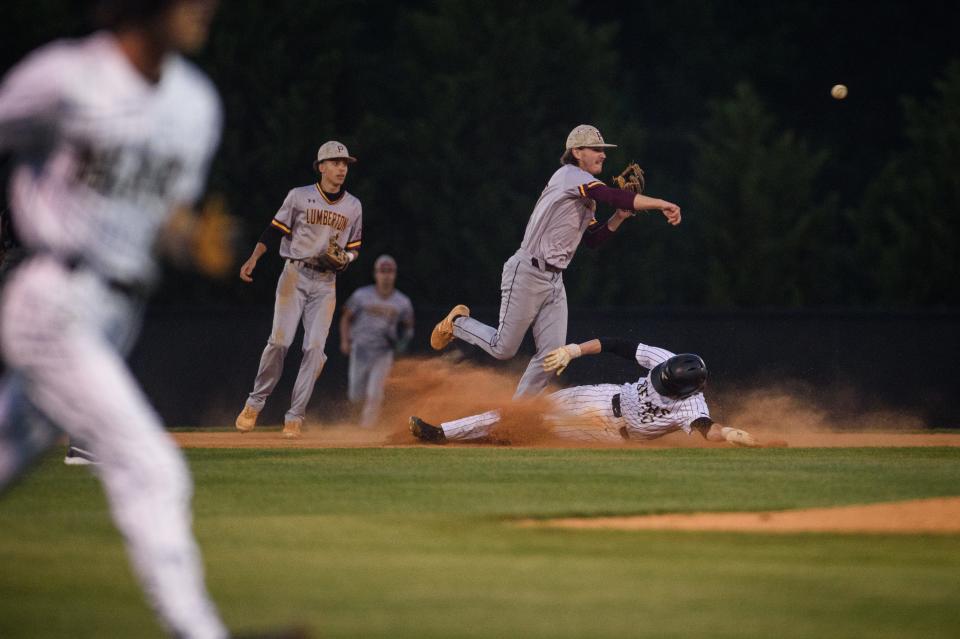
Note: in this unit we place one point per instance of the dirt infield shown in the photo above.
(927, 516)
(346, 436)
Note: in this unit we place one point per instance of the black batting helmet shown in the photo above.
(680, 376)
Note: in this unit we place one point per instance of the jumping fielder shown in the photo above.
(318, 230)
(531, 285)
(667, 399)
(110, 133)
(377, 321)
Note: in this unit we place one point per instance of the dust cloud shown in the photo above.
(797, 410)
(443, 388)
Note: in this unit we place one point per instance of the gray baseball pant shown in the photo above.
(367, 377)
(528, 296)
(310, 296)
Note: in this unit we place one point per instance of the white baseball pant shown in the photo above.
(55, 329)
(579, 413)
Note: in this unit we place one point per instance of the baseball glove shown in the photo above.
(631, 179)
(336, 259)
(214, 238)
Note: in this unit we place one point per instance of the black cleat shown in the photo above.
(426, 432)
(77, 456)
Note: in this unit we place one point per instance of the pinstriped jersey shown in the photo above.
(308, 219)
(560, 216)
(649, 414)
(102, 155)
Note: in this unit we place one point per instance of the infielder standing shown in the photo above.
(311, 220)
(667, 399)
(531, 285)
(111, 133)
(377, 321)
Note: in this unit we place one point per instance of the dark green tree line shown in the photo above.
(458, 110)
(909, 240)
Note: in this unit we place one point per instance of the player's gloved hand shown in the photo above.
(739, 437)
(631, 179)
(559, 358)
(336, 258)
(214, 238)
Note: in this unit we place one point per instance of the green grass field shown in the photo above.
(417, 542)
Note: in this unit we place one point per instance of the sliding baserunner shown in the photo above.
(667, 399)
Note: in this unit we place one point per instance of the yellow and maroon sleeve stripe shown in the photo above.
(353, 246)
(583, 187)
(280, 225)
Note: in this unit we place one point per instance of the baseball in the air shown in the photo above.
(839, 91)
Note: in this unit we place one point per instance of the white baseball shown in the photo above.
(839, 91)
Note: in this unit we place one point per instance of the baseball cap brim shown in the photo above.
(348, 158)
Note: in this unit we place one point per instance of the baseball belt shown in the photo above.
(312, 267)
(546, 266)
(124, 287)
(615, 403)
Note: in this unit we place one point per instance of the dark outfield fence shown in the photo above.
(198, 366)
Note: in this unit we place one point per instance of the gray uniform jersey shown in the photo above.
(374, 332)
(308, 219)
(560, 217)
(531, 284)
(649, 414)
(375, 319)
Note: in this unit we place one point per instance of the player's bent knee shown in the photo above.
(504, 351)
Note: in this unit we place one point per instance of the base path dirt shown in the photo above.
(330, 437)
(348, 436)
(920, 516)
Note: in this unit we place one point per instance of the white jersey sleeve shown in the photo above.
(208, 111)
(690, 410)
(32, 98)
(649, 356)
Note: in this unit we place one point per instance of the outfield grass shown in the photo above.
(416, 542)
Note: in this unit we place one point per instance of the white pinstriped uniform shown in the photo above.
(586, 413)
(102, 158)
